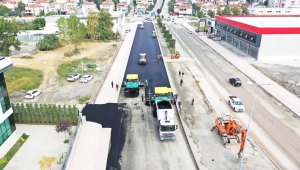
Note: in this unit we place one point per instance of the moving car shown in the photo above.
(217, 39)
(73, 77)
(190, 32)
(236, 104)
(127, 31)
(86, 78)
(197, 30)
(235, 81)
(32, 94)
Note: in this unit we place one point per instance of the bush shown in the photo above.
(49, 42)
(3, 160)
(72, 53)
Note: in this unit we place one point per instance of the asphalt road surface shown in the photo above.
(154, 71)
(274, 119)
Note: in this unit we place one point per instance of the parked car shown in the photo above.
(235, 81)
(86, 78)
(73, 77)
(32, 94)
(217, 39)
(190, 32)
(197, 30)
(211, 36)
(127, 31)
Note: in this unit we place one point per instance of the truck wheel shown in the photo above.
(217, 130)
(224, 140)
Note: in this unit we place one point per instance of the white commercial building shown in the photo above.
(264, 38)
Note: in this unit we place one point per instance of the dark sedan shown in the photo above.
(235, 81)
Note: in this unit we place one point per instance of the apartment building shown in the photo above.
(7, 123)
(108, 4)
(122, 6)
(274, 11)
(10, 4)
(186, 10)
(87, 7)
(143, 2)
(33, 9)
(284, 3)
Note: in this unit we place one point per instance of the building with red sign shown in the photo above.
(264, 38)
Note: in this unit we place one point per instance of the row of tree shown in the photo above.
(44, 113)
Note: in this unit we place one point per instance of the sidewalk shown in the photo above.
(108, 94)
(281, 94)
(201, 141)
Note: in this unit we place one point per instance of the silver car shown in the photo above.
(217, 39)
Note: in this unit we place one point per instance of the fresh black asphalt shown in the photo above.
(113, 115)
(154, 71)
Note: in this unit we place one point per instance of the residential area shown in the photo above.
(149, 84)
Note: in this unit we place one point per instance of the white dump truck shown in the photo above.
(164, 111)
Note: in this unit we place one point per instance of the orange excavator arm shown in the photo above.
(243, 140)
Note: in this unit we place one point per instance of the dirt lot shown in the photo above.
(58, 90)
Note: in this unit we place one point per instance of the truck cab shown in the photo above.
(236, 104)
(132, 85)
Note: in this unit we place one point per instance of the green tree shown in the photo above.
(39, 21)
(200, 14)
(92, 23)
(45, 114)
(105, 25)
(3, 10)
(21, 6)
(171, 6)
(245, 10)
(8, 36)
(74, 115)
(266, 3)
(72, 30)
(226, 10)
(6, 15)
(23, 113)
(219, 11)
(49, 42)
(236, 11)
(211, 13)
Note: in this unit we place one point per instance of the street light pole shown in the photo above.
(248, 128)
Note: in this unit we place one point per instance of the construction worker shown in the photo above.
(181, 81)
(193, 101)
(117, 87)
(146, 82)
(142, 115)
(142, 97)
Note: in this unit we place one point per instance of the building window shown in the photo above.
(4, 99)
(7, 127)
(260, 11)
(278, 11)
(269, 11)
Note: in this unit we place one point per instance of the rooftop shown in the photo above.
(268, 22)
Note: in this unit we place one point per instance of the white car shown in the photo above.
(32, 94)
(217, 39)
(86, 78)
(236, 104)
(73, 77)
(190, 32)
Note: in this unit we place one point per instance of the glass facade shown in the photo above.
(4, 99)
(7, 127)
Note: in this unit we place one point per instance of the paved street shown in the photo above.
(275, 134)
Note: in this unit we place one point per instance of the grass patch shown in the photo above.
(19, 78)
(75, 66)
(10, 154)
(27, 57)
(72, 53)
(84, 99)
